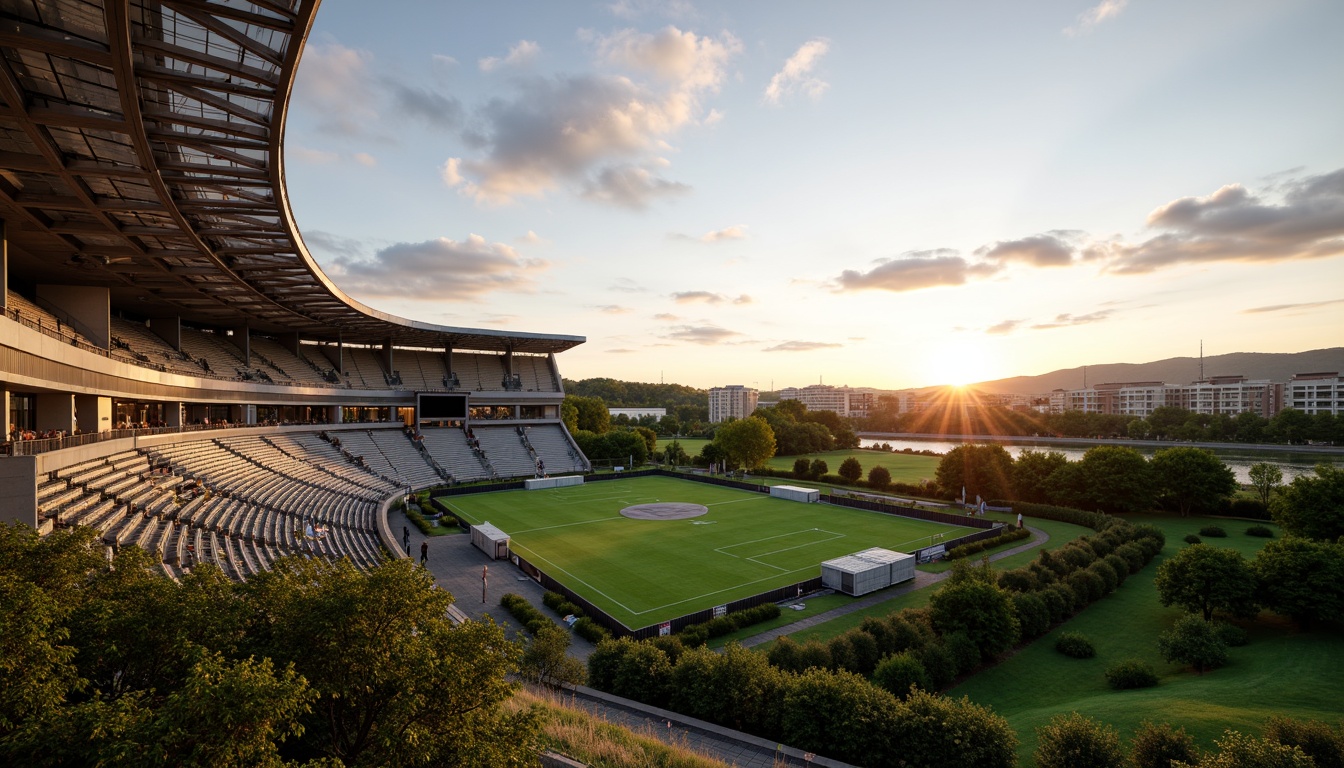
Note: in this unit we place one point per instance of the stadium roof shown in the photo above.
(140, 149)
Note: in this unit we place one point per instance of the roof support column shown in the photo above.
(169, 329)
(386, 355)
(448, 365)
(333, 353)
(289, 341)
(4, 282)
(86, 307)
(243, 341)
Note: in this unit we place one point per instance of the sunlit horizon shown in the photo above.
(871, 194)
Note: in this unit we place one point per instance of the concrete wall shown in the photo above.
(18, 490)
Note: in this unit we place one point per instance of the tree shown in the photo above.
(1032, 471)
(802, 469)
(748, 442)
(1109, 478)
(1290, 426)
(1203, 579)
(1075, 741)
(983, 470)
(676, 455)
(973, 602)
(850, 469)
(1192, 479)
(1301, 578)
(899, 672)
(1193, 642)
(879, 477)
(819, 468)
(1313, 507)
(1160, 746)
(1265, 478)
(547, 660)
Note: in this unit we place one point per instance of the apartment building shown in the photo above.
(731, 402)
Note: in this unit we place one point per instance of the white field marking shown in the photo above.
(721, 591)
(754, 559)
(537, 557)
(566, 525)
(768, 538)
(735, 501)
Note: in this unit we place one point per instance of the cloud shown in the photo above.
(629, 187)
(666, 317)
(521, 54)
(1232, 224)
(1048, 250)
(440, 269)
(801, 346)
(310, 156)
(727, 233)
(335, 86)
(613, 309)
(603, 135)
(797, 73)
(327, 243)
(626, 285)
(365, 159)
(700, 334)
(913, 271)
(621, 351)
(708, 297)
(429, 107)
(1007, 326)
(531, 238)
(1283, 307)
(1066, 320)
(1089, 19)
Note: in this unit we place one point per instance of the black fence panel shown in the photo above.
(904, 511)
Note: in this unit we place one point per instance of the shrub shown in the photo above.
(552, 599)
(819, 468)
(1249, 508)
(1319, 741)
(1077, 555)
(1159, 746)
(1087, 587)
(802, 469)
(879, 477)
(1132, 673)
(939, 730)
(939, 664)
(1133, 555)
(1033, 615)
(1193, 539)
(1075, 645)
(526, 614)
(976, 547)
(899, 672)
(695, 634)
(1213, 532)
(1109, 578)
(1192, 641)
(851, 470)
(1019, 580)
(1261, 531)
(590, 630)
(1073, 741)
(1118, 564)
(1231, 635)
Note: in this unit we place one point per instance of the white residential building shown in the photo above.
(845, 401)
(731, 402)
(638, 413)
(1315, 393)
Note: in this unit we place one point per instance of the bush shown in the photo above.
(976, 547)
(1249, 508)
(1109, 578)
(899, 672)
(1087, 587)
(1319, 741)
(1033, 615)
(1213, 532)
(1193, 539)
(1132, 673)
(1134, 556)
(1261, 531)
(1192, 641)
(802, 469)
(851, 470)
(879, 478)
(1231, 635)
(1159, 746)
(1075, 645)
(1074, 741)
(696, 634)
(591, 631)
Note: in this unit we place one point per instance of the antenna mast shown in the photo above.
(1201, 360)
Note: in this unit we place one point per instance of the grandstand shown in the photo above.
(176, 370)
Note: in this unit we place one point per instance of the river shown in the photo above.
(1239, 459)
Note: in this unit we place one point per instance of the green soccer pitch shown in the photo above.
(643, 572)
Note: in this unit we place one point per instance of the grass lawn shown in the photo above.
(904, 468)
(1282, 671)
(646, 571)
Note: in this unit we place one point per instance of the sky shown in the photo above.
(882, 194)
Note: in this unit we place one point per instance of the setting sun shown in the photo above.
(959, 363)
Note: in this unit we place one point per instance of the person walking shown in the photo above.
(424, 552)
(1019, 521)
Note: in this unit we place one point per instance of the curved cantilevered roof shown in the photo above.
(140, 149)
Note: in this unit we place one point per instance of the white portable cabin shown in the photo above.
(867, 571)
(538, 483)
(795, 493)
(490, 540)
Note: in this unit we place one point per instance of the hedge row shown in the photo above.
(966, 550)
(699, 634)
(585, 627)
(927, 490)
(1094, 520)
(518, 607)
(838, 714)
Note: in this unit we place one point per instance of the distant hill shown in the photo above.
(1176, 370)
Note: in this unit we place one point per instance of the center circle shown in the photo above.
(664, 510)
